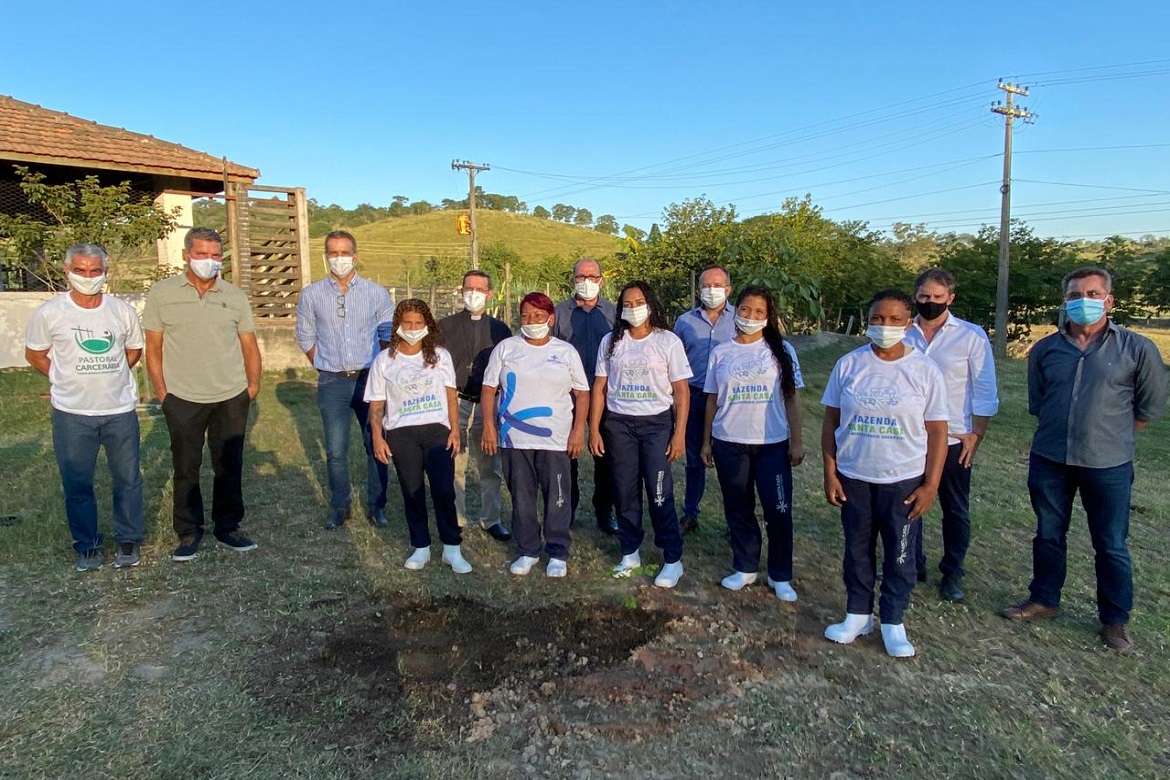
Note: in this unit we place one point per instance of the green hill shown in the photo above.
(392, 248)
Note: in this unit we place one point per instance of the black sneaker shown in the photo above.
(498, 532)
(336, 519)
(378, 518)
(949, 589)
(607, 525)
(188, 547)
(237, 541)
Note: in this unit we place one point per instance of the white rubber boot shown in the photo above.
(556, 568)
(670, 574)
(783, 590)
(738, 580)
(894, 637)
(418, 558)
(850, 628)
(523, 565)
(627, 565)
(453, 557)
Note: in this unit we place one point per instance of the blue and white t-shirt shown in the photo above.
(535, 406)
(415, 393)
(640, 372)
(749, 402)
(885, 405)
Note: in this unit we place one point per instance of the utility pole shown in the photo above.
(1009, 112)
(472, 169)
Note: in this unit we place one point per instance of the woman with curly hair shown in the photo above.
(641, 385)
(411, 389)
(753, 439)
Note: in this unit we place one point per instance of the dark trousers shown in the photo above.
(954, 494)
(696, 469)
(222, 425)
(637, 452)
(745, 470)
(602, 481)
(526, 472)
(341, 399)
(1105, 495)
(418, 452)
(871, 510)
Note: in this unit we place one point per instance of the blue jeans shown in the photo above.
(1105, 495)
(76, 439)
(636, 447)
(338, 398)
(744, 471)
(696, 470)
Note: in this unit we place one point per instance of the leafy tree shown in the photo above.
(398, 207)
(606, 224)
(1157, 283)
(583, 217)
(563, 213)
(421, 207)
(117, 217)
(541, 212)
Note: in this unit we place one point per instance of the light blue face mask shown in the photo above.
(1085, 311)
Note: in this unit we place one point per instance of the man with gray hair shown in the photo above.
(204, 362)
(1092, 386)
(86, 343)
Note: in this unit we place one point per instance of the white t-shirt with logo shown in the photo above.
(885, 406)
(415, 393)
(640, 372)
(749, 402)
(534, 406)
(88, 372)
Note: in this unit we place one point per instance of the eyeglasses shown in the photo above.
(341, 306)
(583, 278)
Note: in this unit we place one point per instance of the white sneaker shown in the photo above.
(738, 580)
(850, 628)
(453, 557)
(783, 590)
(627, 565)
(556, 568)
(894, 638)
(418, 558)
(523, 565)
(670, 574)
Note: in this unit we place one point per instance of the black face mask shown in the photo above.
(930, 310)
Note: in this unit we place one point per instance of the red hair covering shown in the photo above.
(538, 300)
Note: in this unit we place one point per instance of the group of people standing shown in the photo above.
(904, 417)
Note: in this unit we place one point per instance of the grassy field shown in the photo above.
(318, 656)
(390, 247)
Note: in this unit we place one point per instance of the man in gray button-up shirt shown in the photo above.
(1092, 386)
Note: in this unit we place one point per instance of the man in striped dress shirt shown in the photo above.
(342, 321)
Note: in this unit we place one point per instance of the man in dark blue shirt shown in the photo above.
(582, 321)
(1092, 386)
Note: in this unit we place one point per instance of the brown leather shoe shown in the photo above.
(1117, 638)
(1029, 610)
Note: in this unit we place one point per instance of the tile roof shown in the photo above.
(30, 133)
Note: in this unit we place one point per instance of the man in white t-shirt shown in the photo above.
(86, 343)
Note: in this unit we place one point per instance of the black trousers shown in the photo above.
(602, 485)
(419, 454)
(637, 445)
(954, 495)
(222, 425)
(546, 471)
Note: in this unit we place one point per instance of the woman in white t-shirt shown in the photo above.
(538, 427)
(411, 391)
(884, 442)
(752, 436)
(641, 387)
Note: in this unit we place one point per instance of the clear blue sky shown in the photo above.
(880, 111)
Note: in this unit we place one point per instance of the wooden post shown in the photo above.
(508, 293)
(302, 233)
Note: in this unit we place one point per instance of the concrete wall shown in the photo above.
(277, 343)
(170, 249)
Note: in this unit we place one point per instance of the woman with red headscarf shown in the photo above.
(538, 426)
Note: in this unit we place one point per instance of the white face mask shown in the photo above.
(340, 266)
(587, 290)
(636, 315)
(474, 300)
(86, 285)
(536, 331)
(713, 297)
(748, 327)
(412, 337)
(885, 336)
(206, 268)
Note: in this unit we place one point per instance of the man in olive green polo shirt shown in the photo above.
(204, 363)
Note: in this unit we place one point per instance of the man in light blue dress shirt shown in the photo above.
(342, 320)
